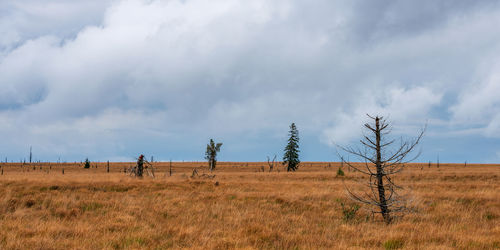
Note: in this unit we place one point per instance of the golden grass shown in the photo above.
(456, 207)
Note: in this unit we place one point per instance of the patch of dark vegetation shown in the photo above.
(29, 203)
(65, 213)
(293, 206)
(468, 177)
(11, 205)
(489, 216)
(393, 244)
(130, 242)
(90, 206)
(96, 188)
(119, 189)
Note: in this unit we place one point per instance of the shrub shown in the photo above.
(349, 212)
(340, 172)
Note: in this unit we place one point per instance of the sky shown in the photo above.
(111, 79)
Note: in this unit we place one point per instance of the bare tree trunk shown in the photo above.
(271, 163)
(212, 164)
(380, 175)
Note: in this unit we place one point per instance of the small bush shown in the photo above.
(340, 172)
(349, 212)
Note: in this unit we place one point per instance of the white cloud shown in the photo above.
(479, 103)
(479, 100)
(407, 108)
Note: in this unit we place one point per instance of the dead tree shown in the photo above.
(152, 172)
(195, 173)
(271, 163)
(382, 159)
(136, 171)
(211, 154)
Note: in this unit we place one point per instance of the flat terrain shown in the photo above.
(455, 207)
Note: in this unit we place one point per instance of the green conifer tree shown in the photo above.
(291, 156)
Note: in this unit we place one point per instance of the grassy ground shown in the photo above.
(41, 208)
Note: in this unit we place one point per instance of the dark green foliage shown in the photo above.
(211, 154)
(291, 156)
(87, 163)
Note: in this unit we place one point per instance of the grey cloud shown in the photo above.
(29, 19)
(381, 20)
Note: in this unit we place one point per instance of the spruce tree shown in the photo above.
(291, 156)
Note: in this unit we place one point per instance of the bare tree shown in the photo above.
(271, 163)
(141, 166)
(382, 159)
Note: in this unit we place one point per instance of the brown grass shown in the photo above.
(456, 207)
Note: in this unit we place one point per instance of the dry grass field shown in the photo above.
(456, 207)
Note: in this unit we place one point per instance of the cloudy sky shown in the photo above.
(110, 79)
